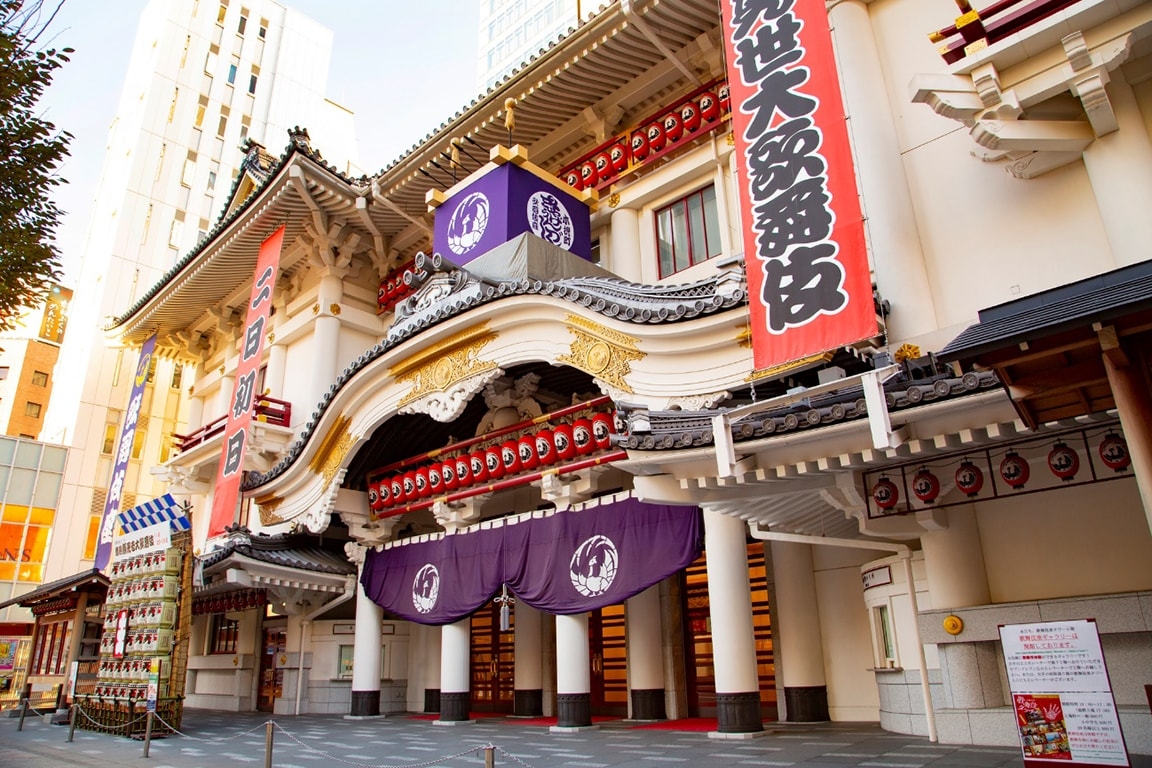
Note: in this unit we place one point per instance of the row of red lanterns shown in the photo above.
(548, 446)
(1014, 470)
(684, 120)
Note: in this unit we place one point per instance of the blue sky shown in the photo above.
(403, 68)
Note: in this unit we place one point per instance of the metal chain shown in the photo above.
(197, 738)
(437, 761)
(513, 757)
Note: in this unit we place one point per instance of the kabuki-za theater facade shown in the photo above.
(642, 388)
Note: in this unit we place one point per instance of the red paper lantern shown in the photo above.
(510, 457)
(709, 106)
(690, 117)
(723, 99)
(618, 156)
(656, 136)
(435, 479)
(562, 437)
(885, 494)
(494, 462)
(1015, 470)
(1064, 462)
(602, 430)
(573, 179)
(423, 489)
(479, 466)
(373, 503)
(545, 447)
(969, 479)
(673, 126)
(1114, 453)
(926, 486)
(640, 148)
(409, 480)
(463, 470)
(448, 472)
(603, 166)
(588, 174)
(397, 485)
(582, 436)
(526, 448)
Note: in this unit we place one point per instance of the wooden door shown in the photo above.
(608, 651)
(493, 664)
(274, 645)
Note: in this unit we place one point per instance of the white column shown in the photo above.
(528, 678)
(573, 672)
(730, 611)
(796, 629)
(195, 401)
(893, 235)
(432, 637)
(325, 337)
(1119, 166)
(455, 654)
(366, 658)
(645, 655)
(954, 562)
(625, 245)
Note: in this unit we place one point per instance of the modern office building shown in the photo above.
(204, 77)
(28, 355)
(513, 31)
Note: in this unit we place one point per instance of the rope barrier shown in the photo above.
(220, 740)
(105, 726)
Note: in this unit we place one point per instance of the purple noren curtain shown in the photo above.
(569, 562)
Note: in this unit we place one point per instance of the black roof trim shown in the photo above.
(50, 590)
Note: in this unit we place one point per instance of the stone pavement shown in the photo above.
(313, 741)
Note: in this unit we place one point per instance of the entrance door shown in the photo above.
(493, 663)
(698, 654)
(274, 645)
(609, 658)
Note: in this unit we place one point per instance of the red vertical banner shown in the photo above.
(809, 285)
(243, 402)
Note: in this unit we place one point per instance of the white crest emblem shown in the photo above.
(593, 566)
(549, 219)
(426, 588)
(468, 222)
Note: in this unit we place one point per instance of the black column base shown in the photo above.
(365, 703)
(648, 704)
(529, 703)
(806, 704)
(573, 710)
(431, 700)
(454, 706)
(739, 712)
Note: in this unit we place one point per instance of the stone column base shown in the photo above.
(648, 704)
(528, 703)
(806, 703)
(365, 703)
(573, 710)
(431, 700)
(739, 712)
(454, 706)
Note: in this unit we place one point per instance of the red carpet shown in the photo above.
(472, 715)
(549, 721)
(685, 724)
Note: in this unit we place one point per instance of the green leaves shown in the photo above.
(31, 150)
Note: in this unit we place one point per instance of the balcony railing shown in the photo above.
(269, 410)
(974, 30)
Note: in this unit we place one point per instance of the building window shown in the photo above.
(211, 179)
(91, 541)
(109, 443)
(231, 74)
(172, 106)
(223, 634)
(32, 409)
(221, 126)
(221, 13)
(210, 59)
(885, 638)
(189, 171)
(39, 379)
(201, 108)
(243, 25)
(184, 54)
(344, 666)
(263, 31)
(174, 233)
(688, 232)
(177, 376)
(252, 84)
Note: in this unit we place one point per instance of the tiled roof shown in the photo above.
(283, 550)
(52, 588)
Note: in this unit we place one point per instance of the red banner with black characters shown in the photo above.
(243, 402)
(808, 278)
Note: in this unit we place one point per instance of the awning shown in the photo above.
(91, 581)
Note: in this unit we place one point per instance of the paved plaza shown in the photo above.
(220, 738)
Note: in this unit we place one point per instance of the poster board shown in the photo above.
(1061, 695)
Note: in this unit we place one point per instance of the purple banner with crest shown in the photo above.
(569, 562)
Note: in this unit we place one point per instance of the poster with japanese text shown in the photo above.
(809, 283)
(243, 401)
(1065, 711)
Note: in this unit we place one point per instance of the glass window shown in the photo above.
(54, 458)
(243, 25)
(221, 13)
(344, 666)
(174, 233)
(32, 409)
(688, 232)
(189, 172)
(252, 84)
(222, 126)
(263, 31)
(886, 640)
(211, 179)
(93, 534)
(223, 634)
(177, 376)
(27, 455)
(47, 489)
(39, 379)
(210, 60)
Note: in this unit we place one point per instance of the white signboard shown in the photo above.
(1065, 712)
(154, 539)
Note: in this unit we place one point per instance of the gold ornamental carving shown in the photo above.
(334, 309)
(445, 364)
(268, 506)
(614, 200)
(602, 352)
(333, 448)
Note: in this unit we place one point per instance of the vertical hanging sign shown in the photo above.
(809, 284)
(244, 391)
(123, 453)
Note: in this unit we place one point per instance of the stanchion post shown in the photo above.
(148, 732)
(72, 720)
(23, 713)
(489, 756)
(268, 745)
